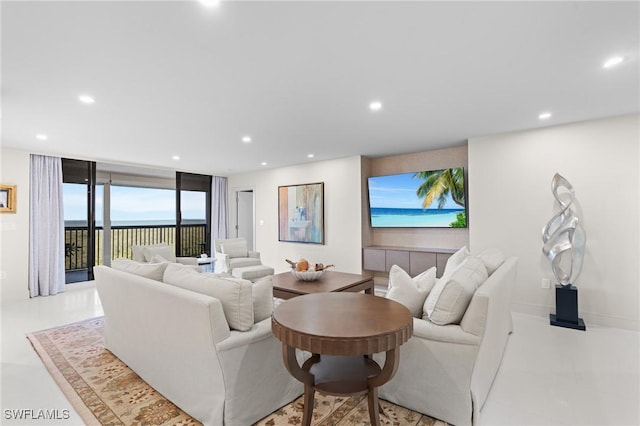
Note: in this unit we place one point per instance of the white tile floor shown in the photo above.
(549, 375)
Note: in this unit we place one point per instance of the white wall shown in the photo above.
(510, 201)
(14, 228)
(342, 213)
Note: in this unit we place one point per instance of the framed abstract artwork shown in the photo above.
(7, 198)
(301, 213)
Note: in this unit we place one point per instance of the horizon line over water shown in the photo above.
(142, 223)
(388, 217)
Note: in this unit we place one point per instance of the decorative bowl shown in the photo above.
(307, 275)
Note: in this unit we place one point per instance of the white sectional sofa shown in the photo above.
(183, 342)
(447, 368)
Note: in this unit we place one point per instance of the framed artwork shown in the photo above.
(301, 213)
(7, 198)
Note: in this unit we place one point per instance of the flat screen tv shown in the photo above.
(426, 199)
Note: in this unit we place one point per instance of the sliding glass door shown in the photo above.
(79, 192)
(193, 214)
(107, 214)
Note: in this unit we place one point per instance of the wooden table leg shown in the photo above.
(388, 371)
(303, 375)
(307, 414)
(371, 289)
(374, 407)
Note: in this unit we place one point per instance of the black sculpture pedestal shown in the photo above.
(567, 309)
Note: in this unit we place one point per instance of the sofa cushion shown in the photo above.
(411, 292)
(234, 294)
(234, 248)
(455, 260)
(164, 251)
(492, 259)
(242, 262)
(262, 295)
(252, 273)
(154, 271)
(448, 301)
(138, 254)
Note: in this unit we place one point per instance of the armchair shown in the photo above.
(233, 253)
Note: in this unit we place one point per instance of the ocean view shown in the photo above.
(382, 217)
(141, 223)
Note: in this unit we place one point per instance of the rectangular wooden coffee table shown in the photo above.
(286, 286)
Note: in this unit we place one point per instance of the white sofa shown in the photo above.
(446, 371)
(181, 342)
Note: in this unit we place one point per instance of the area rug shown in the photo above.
(103, 390)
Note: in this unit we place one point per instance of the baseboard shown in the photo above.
(589, 317)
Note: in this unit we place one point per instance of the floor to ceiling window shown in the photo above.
(140, 216)
(128, 206)
(193, 208)
(79, 197)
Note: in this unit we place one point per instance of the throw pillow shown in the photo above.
(154, 271)
(164, 251)
(492, 259)
(262, 293)
(456, 260)
(411, 292)
(234, 294)
(157, 259)
(234, 248)
(138, 253)
(450, 297)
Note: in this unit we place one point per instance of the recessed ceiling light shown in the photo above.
(42, 137)
(264, 163)
(375, 106)
(86, 99)
(544, 116)
(176, 157)
(210, 3)
(612, 62)
(246, 139)
(310, 155)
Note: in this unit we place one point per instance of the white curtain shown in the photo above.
(218, 209)
(46, 227)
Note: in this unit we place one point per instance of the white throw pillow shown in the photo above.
(411, 292)
(450, 297)
(234, 248)
(235, 294)
(158, 259)
(154, 271)
(164, 251)
(492, 259)
(262, 293)
(138, 253)
(456, 260)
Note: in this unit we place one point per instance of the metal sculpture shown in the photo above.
(563, 236)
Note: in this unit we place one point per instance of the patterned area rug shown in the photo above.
(346, 411)
(103, 390)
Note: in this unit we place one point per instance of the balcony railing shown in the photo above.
(123, 237)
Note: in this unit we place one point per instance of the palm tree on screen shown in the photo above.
(438, 184)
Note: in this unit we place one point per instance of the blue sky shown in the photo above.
(134, 203)
(399, 191)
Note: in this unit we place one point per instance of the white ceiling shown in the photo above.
(176, 78)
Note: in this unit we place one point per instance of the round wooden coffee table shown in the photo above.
(341, 330)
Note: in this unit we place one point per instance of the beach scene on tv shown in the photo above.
(433, 198)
